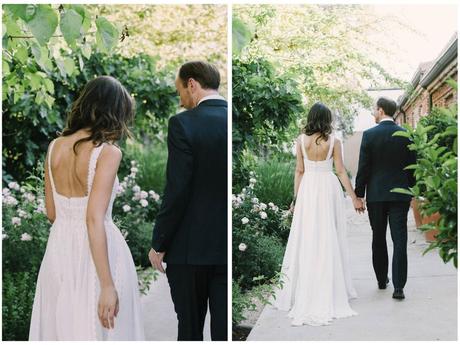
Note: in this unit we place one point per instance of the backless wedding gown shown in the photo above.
(67, 291)
(315, 272)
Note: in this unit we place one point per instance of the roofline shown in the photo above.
(442, 62)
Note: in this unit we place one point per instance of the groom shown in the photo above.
(190, 232)
(382, 160)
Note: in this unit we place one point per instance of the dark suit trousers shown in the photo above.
(394, 212)
(192, 288)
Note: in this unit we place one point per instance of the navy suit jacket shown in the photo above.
(191, 226)
(382, 159)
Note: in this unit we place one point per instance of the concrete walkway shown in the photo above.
(429, 311)
(159, 316)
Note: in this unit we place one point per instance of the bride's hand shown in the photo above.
(108, 306)
(358, 204)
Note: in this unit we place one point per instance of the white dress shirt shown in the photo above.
(386, 119)
(216, 96)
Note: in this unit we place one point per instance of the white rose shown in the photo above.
(5, 191)
(26, 237)
(10, 200)
(252, 180)
(144, 203)
(144, 194)
(41, 209)
(13, 185)
(255, 200)
(126, 208)
(154, 196)
(29, 196)
(16, 221)
(245, 220)
(263, 206)
(133, 163)
(4, 236)
(22, 213)
(251, 173)
(271, 204)
(120, 189)
(134, 170)
(136, 189)
(242, 247)
(263, 215)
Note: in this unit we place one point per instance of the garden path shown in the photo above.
(429, 311)
(160, 322)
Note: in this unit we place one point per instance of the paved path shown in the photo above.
(159, 317)
(429, 311)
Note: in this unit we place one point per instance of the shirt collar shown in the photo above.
(216, 96)
(386, 119)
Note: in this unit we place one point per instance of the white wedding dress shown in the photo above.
(67, 291)
(315, 272)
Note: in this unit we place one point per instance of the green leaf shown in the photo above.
(21, 54)
(402, 191)
(18, 11)
(34, 81)
(401, 134)
(86, 50)
(43, 24)
(49, 86)
(5, 67)
(106, 35)
(69, 66)
(70, 26)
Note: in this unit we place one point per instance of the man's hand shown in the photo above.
(156, 259)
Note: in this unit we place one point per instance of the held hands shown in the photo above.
(108, 306)
(156, 259)
(358, 204)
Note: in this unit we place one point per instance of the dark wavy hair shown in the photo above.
(104, 108)
(319, 120)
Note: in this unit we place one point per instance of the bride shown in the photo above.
(87, 285)
(316, 279)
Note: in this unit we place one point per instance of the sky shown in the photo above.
(432, 27)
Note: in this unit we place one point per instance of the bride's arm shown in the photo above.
(49, 200)
(99, 198)
(342, 172)
(299, 168)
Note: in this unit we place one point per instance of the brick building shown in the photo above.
(429, 87)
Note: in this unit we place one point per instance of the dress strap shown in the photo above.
(49, 166)
(92, 165)
(302, 144)
(331, 146)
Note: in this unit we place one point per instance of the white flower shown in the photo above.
(13, 185)
(271, 204)
(16, 221)
(263, 215)
(136, 189)
(22, 213)
(255, 200)
(10, 200)
(251, 173)
(144, 194)
(252, 180)
(154, 195)
(275, 208)
(126, 208)
(123, 184)
(263, 206)
(5, 191)
(26, 237)
(133, 163)
(256, 208)
(144, 203)
(4, 236)
(120, 189)
(242, 247)
(29, 196)
(245, 220)
(134, 170)
(41, 209)
(243, 190)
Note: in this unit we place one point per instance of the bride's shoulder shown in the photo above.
(112, 151)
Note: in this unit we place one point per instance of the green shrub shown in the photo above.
(18, 291)
(436, 177)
